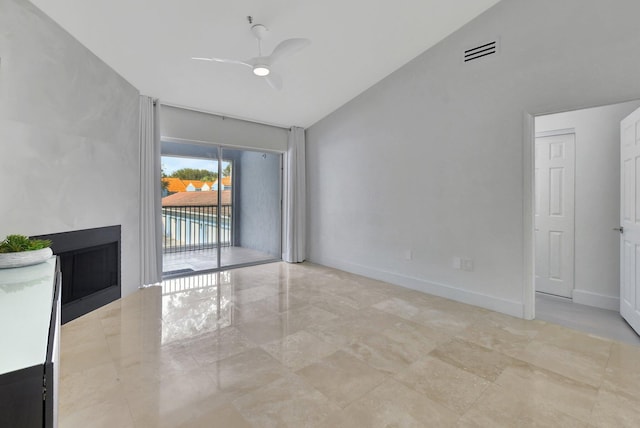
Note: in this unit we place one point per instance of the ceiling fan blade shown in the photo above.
(274, 80)
(224, 61)
(252, 62)
(286, 48)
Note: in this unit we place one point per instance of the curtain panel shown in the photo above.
(150, 197)
(294, 213)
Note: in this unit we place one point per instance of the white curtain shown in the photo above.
(294, 216)
(150, 203)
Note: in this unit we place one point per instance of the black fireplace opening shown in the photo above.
(88, 271)
(90, 266)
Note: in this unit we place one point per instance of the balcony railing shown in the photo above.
(188, 228)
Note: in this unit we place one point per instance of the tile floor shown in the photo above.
(201, 260)
(588, 319)
(283, 345)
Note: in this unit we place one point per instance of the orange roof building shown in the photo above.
(176, 185)
(196, 199)
(226, 183)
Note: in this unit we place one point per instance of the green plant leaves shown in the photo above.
(18, 243)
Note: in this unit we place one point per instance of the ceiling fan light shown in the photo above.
(261, 70)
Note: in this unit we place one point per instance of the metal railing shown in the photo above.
(188, 228)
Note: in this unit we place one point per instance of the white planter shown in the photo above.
(24, 258)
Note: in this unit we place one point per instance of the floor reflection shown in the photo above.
(196, 304)
(307, 346)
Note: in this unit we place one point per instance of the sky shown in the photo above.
(171, 164)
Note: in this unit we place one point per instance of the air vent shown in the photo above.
(482, 51)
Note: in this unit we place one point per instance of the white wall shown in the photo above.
(597, 199)
(431, 158)
(184, 124)
(68, 136)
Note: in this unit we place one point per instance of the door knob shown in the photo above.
(619, 229)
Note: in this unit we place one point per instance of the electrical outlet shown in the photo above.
(467, 264)
(408, 254)
(457, 263)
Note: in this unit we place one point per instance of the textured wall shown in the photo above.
(430, 160)
(68, 136)
(259, 201)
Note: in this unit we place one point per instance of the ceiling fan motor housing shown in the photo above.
(259, 31)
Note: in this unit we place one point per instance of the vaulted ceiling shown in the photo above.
(354, 44)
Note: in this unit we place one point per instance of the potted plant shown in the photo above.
(20, 250)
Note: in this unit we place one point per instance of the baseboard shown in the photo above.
(504, 306)
(589, 298)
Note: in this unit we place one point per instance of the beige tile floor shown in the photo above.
(283, 345)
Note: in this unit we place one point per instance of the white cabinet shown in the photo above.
(29, 345)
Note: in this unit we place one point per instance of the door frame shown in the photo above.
(528, 207)
(528, 217)
(219, 151)
(528, 200)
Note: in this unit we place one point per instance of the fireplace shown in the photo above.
(90, 265)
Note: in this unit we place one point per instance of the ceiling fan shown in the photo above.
(261, 65)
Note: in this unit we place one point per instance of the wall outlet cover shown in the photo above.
(457, 263)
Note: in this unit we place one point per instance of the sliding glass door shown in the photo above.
(221, 207)
(257, 213)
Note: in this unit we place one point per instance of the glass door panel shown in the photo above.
(252, 187)
(190, 239)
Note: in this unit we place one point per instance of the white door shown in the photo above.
(554, 213)
(630, 219)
